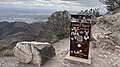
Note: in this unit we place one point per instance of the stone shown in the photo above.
(117, 47)
(77, 59)
(34, 52)
(108, 53)
(106, 32)
(23, 53)
(105, 56)
(100, 55)
(0, 64)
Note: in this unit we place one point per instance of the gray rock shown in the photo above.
(0, 64)
(23, 53)
(106, 32)
(34, 52)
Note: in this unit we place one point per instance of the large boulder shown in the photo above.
(34, 52)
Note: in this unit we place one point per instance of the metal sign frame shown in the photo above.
(80, 32)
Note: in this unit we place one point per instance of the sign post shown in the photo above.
(80, 35)
(80, 32)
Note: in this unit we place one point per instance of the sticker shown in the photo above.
(72, 29)
(81, 32)
(72, 33)
(76, 52)
(86, 37)
(71, 38)
(75, 33)
(82, 21)
(78, 29)
(78, 34)
(86, 33)
(85, 55)
(80, 50)
(79, 45)
(73, 20)
(88, 20)
(79, 38)
(84, 18)
(71, 51)
(75, 37)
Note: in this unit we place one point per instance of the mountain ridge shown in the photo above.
(13, 32)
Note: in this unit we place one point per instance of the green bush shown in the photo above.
(7, 53)
(58, 23)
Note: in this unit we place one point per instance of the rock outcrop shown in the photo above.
(34, 52)
(106, 32)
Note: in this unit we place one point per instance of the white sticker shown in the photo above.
(71, 38)
(79, 45)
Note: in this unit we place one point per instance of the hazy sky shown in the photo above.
(53, 4)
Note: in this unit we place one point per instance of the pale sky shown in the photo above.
(76, 5)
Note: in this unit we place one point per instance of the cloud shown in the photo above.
(76, 5)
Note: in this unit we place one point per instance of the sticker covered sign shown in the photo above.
(80, 35)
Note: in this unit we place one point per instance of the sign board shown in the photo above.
(80, 31)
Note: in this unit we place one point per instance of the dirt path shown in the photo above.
(100, 58)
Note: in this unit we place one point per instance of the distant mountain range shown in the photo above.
(24, 14)
(28, 15)
(13, 32)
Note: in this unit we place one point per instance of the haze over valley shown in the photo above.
(40, 10)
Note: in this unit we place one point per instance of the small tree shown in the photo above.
(58, 23)
(111, 4)
(94, 12)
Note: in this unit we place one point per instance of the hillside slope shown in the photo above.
(100, 58)
(104, 47)
(11, 33)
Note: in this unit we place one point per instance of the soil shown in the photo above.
(100, 58)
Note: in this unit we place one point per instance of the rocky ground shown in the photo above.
(100, 58)
(104, 47)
